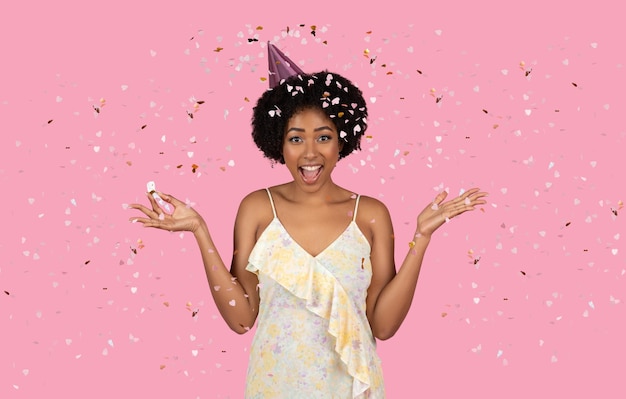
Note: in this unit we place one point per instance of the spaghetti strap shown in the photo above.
(272, 201)
(356, 207)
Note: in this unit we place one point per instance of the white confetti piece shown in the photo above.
(232, 302)
(133, 290)
(59, 99)
(153, 53)
(438, 32)
(372, 100)
(231, 163)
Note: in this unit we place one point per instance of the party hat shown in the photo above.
(280, 67)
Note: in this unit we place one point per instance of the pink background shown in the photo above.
(523, 299)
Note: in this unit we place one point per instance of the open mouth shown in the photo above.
(310, 173)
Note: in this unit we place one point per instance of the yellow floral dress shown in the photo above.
(313, 339)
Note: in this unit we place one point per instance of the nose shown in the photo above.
(310, 150)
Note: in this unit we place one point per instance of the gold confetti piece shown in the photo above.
(444, 314)
(162, 366)
(523, 272)
(366, 53)
(259, 27)
(50, 121)
(263, 78)
(418, 71)
(246, 99)
(166, 304)
(7, 292)
(495, 126)
(87, 262)
(179, 166)
(567, 224)
(574, 84)
(194, 167)
(218, 49)
(485, 111)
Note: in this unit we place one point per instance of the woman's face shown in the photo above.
(311, 148)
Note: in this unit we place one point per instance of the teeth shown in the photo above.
(311, 168)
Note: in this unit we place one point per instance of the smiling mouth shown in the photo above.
(310, 173)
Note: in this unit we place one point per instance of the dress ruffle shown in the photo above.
(326, 297)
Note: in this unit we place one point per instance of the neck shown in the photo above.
(323, 194)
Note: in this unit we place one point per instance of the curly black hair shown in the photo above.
(335, 95)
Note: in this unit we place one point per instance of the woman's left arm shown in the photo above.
(390, 294)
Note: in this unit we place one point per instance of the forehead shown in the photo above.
(310, 116)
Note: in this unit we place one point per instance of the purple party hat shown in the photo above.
(280, 67)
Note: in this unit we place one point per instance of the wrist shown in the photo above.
(419, 238)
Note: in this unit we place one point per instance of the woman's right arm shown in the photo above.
(235, 292)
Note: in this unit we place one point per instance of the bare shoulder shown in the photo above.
(373, 207)
(255, 211)
(373, 217)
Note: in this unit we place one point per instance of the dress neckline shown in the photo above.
(325, 249)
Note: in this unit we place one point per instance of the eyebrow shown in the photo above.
(317, 129)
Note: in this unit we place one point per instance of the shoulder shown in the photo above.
(373, 218)
(372, 207)
(255, 210)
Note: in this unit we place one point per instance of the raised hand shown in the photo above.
(183, 218)
(439, 212)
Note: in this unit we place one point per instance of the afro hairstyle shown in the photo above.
(335, 95)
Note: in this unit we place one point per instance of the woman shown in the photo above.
(313, 262)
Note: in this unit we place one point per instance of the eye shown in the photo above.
(324, 138)
(295, 139)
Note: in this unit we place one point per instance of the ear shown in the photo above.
(341, 143)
